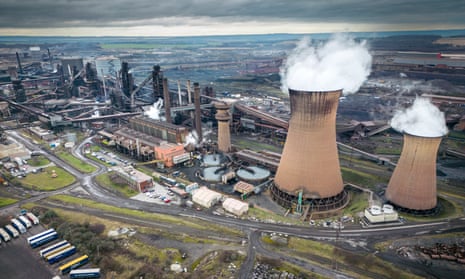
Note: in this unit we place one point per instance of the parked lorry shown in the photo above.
(18, 225)
(32, 218)
(25, 221)
(11, 231)
(4, 235)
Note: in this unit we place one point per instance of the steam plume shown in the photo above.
(154, 111)
(421, 119)
(340, 63)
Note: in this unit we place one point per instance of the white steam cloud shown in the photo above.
(154, 111)
(340, 63)
(421, 119)
(193, 138)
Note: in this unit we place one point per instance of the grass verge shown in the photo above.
(6, 201)
(196, 224)
(75, 162)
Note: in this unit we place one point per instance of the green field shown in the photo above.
(38, 161)
(43, 181)
(6, 201)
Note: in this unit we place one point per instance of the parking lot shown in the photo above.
(158, 194)
(20, 261)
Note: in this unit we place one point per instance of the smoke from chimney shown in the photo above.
(421, 119)
(154, 111)
(340, 63)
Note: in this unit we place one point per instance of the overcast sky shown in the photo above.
(205, 17)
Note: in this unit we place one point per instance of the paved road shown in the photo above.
(104, 196)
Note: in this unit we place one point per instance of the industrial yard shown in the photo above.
(151, 137)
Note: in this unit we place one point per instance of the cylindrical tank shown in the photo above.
(413, 183)
(310, 162)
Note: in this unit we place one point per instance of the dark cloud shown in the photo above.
(116, 13)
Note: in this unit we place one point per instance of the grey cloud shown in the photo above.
(114, 13)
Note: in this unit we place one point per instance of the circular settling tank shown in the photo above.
(213, 174)
(253, 174)
(210, 160)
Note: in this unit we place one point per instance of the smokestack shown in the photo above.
(223, 117)
(198, 120)
(19, 63)
(309, 172)
(413, 183)
(179, 93)
(189, 101)
(167, 101)
(50, 58)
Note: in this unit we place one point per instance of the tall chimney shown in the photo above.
(167, 100)
(179, 93)
(309, 172)
(189, 100)
(198, 120)
(223, 117)
(413, 183)
(19, 63)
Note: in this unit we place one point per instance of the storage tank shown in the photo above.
(309, 172)
(413, 184)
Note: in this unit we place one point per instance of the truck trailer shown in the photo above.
(11, 231)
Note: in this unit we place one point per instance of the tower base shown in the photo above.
(427, 212)
(310, 207)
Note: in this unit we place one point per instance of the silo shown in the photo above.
(309, 172)
(413, 184)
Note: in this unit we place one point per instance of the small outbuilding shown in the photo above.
(235, 207)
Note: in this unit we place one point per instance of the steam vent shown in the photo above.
(413, 184)
(223, 117)
(308, 178)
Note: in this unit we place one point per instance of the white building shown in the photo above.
(206, 197)
(377, 214)
(235, 207)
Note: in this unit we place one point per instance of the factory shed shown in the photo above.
(206, 197)
(235, 207)
(243, 187)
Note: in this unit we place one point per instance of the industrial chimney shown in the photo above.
(413, 183)
(223, 117)
(308, 175)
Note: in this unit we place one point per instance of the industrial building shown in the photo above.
(309, 178)
(235, 207)
(171, 154)
(206, 197)
(412, 186)
(377, 214)
(159, 129)
(137, 180)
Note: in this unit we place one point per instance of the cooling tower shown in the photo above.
(413, 183)
(223, 117)
(309, 173)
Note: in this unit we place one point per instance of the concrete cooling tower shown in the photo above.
(413, 183)
(309, 177)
